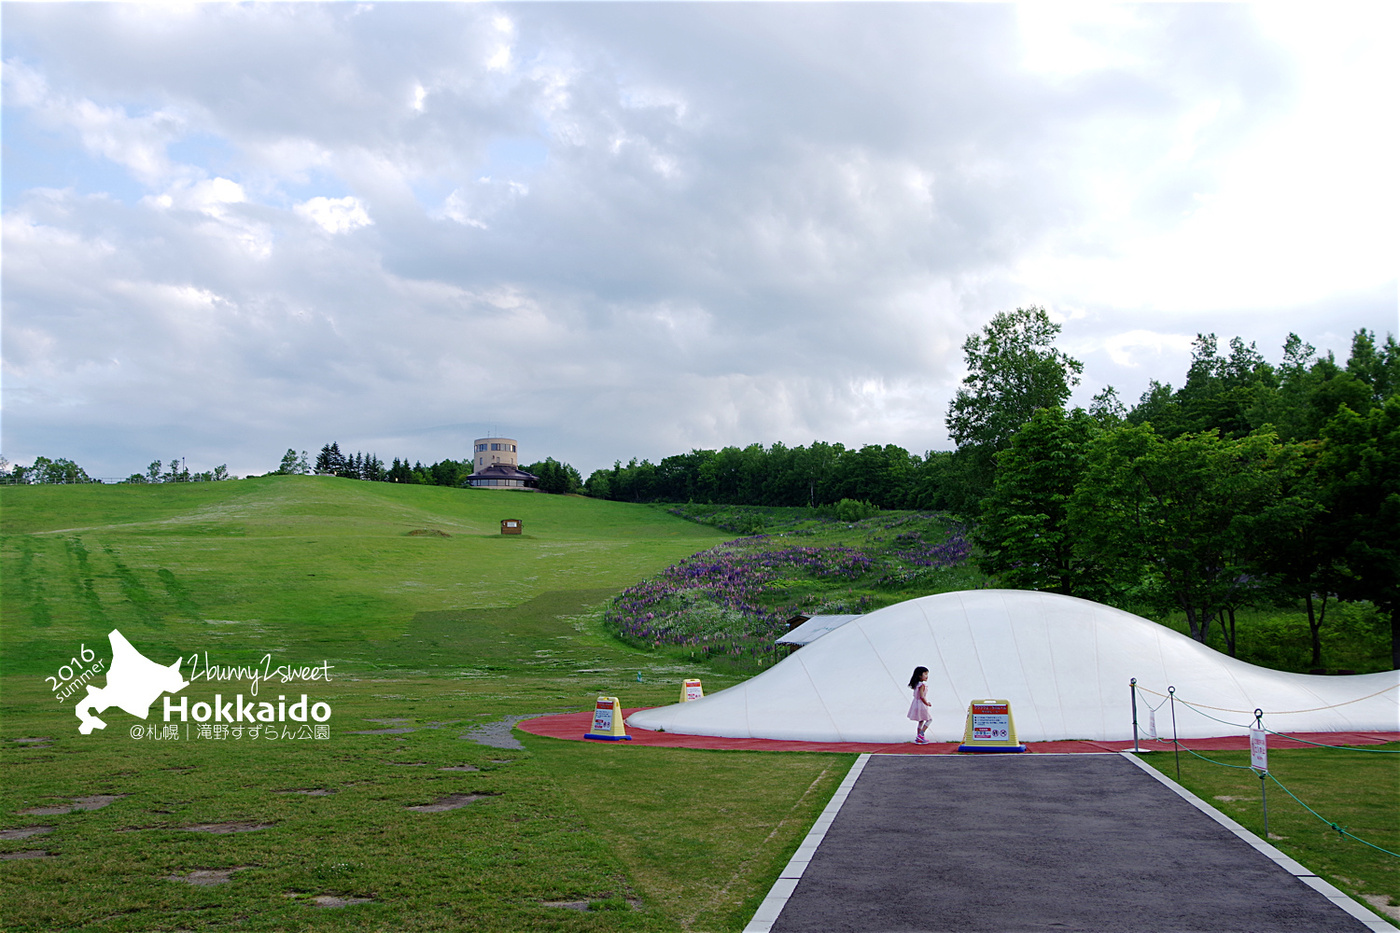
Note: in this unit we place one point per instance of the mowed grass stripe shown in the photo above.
(439, 635)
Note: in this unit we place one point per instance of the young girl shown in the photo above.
(920, 710)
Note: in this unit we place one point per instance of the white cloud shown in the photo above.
(335, 215)
(137, 143)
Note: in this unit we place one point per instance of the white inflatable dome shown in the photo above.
(1064, 663)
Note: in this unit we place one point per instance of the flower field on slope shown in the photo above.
(733, 600)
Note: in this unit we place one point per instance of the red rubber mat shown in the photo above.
(574, 725)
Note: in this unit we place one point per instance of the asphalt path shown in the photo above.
(1012, 843)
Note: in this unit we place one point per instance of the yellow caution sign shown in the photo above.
(691, 690)
(990, 728)
(607, 722)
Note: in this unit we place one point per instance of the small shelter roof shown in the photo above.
(812, 627)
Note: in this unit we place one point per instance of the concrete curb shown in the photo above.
(1294, 868)
(773, 904)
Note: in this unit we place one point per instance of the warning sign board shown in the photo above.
(990, 728)
(691, 690)
(1258, 750)
(607, 721)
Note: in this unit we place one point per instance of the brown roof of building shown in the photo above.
(502, 471)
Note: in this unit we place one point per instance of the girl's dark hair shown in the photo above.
(919, 672)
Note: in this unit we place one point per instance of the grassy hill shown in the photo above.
(301, 564)
(438, 631)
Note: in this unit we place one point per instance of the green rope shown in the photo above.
(1214, 762)
(1345, 748)
(1340, 829)
(1349, 748)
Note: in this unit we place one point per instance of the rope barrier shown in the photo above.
(1345, 748)
(1341, 829)
(1158, 706)
(1193, 707)
(1280, 712)
(1263, 775)
(1353, 748)
(1214, 762)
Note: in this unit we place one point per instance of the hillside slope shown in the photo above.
(331, 566)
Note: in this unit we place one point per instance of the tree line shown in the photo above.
(1250, 485)
(60, 471)
(553, 476)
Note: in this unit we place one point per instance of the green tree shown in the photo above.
(555, 477)
(58, 472)
(599, 484)
(330, 460)
(1173, 516)
(1291, 547)
(290, 463)
(1014, 370)
(1359, 477)
(1024, 532)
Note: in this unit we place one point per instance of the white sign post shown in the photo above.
(1259, 761)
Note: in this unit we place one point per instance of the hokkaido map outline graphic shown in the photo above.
(133, 683)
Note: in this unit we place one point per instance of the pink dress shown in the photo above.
(917, 710)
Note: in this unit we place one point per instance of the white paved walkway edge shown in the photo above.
(1327, 890)
(773, 904)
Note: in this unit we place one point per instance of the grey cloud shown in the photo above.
(712, 223)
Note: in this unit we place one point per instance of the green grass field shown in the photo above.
(431, 622)
(437, 629)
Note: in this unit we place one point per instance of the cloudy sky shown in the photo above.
(618, 230)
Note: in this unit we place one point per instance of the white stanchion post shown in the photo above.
(1259, 761)
(1132, 688)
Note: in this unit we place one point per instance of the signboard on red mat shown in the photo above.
(991, 722)
(603, 716)
(607, 721)
(990, 728)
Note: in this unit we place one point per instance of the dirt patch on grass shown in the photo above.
(236, 826)
(450, 802)
(400, 731)
(460, 768)
(308, 792)
(605, 902)
(32, 853)
(41, 741)
(1382, 903)
(203, 877)
(497, 734)
(93, 802)
(24, 832)
(428, 533)
(331, 900)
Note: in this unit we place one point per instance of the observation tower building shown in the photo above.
(496, 465)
